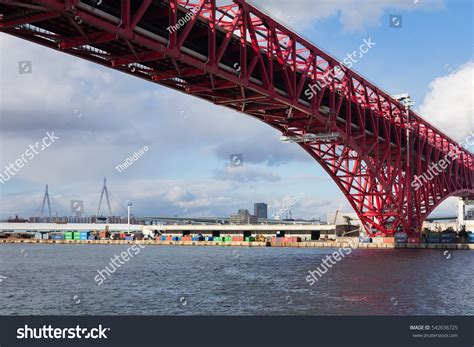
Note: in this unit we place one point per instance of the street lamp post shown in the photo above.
(407, 102)
(129, 205)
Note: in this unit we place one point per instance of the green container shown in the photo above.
(228, 239)
(219, 239)
(76, 236)
(68, 236)
(250, 239)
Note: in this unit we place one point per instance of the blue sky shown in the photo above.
(102, 117)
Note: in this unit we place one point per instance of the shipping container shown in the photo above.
(401, 237)
(218, 239)
(68, 235)
(84, 235)
(250, 239)
(413, 240)
(209, 238)
(129, 238)
(228, 239)
(470, 238)
(163, 238)
(76, 235)
(176, 238)
(448, 238)
(45, 236)
(57, 237)
(434, 238)
(91, 238)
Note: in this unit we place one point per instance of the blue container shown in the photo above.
(401, 237)
(129, 238)
(163, 238)
(434, 238)
(57, 237)
(209, 238)
(470, 238)
(176, 238)
(91, 238)
(196, 239)
(84, 235)
(448, 238)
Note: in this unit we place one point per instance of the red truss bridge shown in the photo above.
(232, 54)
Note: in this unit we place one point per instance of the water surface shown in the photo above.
(169, 280)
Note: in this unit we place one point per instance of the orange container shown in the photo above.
(389, 240)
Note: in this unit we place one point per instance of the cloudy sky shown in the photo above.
(102, 117)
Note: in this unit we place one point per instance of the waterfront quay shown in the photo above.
(304, 244)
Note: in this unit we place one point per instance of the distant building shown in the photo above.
(243, 217)
(84, 220)
(260, 210)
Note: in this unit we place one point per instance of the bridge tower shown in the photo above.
(106, 193)
(46, 199)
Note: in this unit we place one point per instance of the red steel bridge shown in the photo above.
(235, 55)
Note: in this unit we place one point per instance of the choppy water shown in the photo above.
(59, 280)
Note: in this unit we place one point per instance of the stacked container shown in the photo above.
(401, 237)
(448, 238)
(68, 235)
(84, 235)
(434, 238)
(470, 238)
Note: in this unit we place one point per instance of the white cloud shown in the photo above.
(449, 105)
(353, 14)
(245, 174)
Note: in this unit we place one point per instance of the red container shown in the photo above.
(237, 238)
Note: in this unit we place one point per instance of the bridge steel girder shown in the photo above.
(239, 57)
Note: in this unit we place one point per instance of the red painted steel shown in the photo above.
(237, 56)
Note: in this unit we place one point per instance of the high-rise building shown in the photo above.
(260, 210)
(243, 217)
